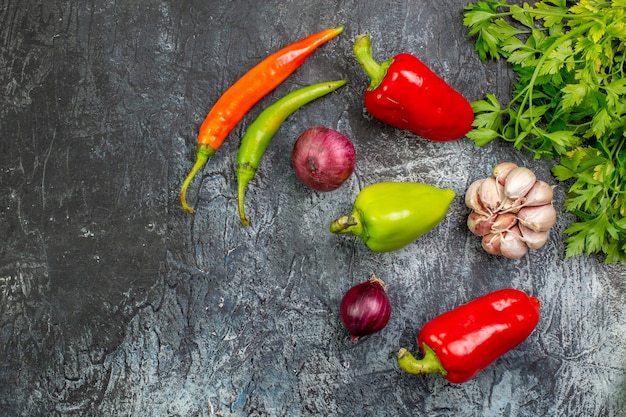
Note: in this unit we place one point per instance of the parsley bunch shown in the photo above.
(568, 102)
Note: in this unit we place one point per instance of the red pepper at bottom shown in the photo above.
(462, 342)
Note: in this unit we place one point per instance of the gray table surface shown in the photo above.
(113, 301)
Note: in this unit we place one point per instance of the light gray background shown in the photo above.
(113, 301)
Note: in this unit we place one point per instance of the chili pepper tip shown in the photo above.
(203, 153)
(245, 174)
(536, 302)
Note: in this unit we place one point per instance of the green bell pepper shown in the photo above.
(390, 215)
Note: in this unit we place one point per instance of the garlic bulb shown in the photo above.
(511, 210)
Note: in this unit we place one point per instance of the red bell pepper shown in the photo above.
(406, 94)
(462, 342)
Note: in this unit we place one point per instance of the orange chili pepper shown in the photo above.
(245, 93)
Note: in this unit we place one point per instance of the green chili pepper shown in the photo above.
(262, 130)
(390, 215)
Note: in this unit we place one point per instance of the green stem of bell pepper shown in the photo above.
(349, 223)
(427, 365)
(364, 54)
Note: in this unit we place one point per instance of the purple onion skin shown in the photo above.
(323, 158)
(365, 308)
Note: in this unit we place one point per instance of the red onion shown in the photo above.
(365, 308)
(323, 158)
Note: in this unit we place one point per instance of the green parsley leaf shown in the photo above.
(482, 136)
(568, 103)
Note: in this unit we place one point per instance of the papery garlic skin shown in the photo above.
(480, 224)
(491, 243)
(504, 221)
(533, 239)
(502, 170)
(538, 218)
(472, 200)
(519, 182)
(489, 194)
(541, 193)
(512, 245)
(509, 205)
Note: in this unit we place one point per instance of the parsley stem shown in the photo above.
(528, 90)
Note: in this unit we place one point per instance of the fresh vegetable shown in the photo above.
(461, 342)
(390, 215)
(262, 130)
(365, 308)
(568, 103)
(512, 210)
(406, 94)
(323, 158)
(245, 93)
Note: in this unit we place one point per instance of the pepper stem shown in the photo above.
(350, 223)
(203, 153)
(427, 365)
(364, 54)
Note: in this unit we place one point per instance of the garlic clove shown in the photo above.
(472, 199)
(541, 193)
(510, 205)
(511, 244)
(533, 239)
(519, 181)
(502, 170)
(501, 194)
(491, 243)
(538, 218)
(489, 194)
(479, 224)
(504, 221)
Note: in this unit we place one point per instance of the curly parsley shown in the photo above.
(568, 102)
